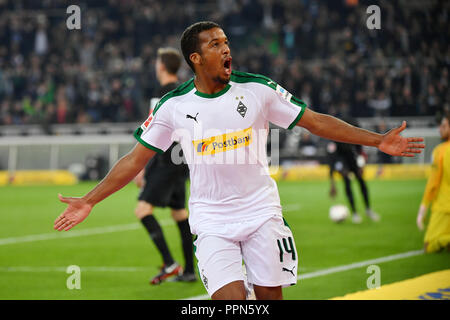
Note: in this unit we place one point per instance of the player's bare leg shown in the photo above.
(179, 214)
(268, 293)
(232, 291)
(143, 209)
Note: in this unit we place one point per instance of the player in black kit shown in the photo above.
(163, 184)
(345, 159)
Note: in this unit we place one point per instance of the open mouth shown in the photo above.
(227, 65)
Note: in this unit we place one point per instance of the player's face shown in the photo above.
(444, 129)
(215, 57)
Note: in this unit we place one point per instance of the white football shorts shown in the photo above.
(266, 246)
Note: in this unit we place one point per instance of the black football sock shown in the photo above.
(349, 193)
(364, 191)
(155, 231)
(186, 242)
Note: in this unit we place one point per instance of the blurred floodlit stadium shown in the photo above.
(71, 99)
(60, 87)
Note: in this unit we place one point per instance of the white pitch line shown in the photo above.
(361, 264)
(291, 207)
(99, 230)
(76, 233)
(356, 265)
(38, 269)
(63, 269)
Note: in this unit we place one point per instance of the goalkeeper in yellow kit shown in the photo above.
(437, 192)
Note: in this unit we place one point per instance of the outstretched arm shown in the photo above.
(122, 172)
(331, 128)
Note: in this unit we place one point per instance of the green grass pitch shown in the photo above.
(35, 267)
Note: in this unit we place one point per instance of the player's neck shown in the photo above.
(207, 85)
(167, 78)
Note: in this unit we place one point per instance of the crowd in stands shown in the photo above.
(321, 51)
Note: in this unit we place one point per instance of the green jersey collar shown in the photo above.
(214, 95)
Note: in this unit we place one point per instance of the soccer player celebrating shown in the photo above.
(437, 192)
(235, 209)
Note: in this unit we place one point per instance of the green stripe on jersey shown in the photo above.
(137, 135)
(213, 95)
(243, 77)
(179, 91)
(301, 104)
(297, 119)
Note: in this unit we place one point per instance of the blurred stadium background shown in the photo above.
(70, 100)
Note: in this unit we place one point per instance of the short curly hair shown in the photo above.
(189, 39)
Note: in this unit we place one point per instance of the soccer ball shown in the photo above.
(338, 213)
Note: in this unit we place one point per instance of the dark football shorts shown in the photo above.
(345, 165)
(164, 189)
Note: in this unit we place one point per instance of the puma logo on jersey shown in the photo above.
(188, 116)
(289, 270)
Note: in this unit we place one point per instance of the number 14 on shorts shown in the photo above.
(286, 245)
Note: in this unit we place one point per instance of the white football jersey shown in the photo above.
(223, 137)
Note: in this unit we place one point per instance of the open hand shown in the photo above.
(77, 210)
(396, 145)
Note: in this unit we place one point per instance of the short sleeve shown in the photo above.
(282, 108)
(156, 132)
